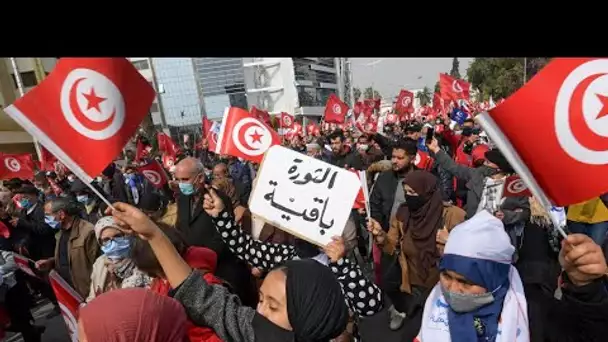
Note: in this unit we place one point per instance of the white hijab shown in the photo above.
(483, 236)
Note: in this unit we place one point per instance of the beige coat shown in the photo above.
(101, 283)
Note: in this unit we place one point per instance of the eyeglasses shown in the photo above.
(106, 241)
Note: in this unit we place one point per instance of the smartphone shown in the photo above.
(430, 132)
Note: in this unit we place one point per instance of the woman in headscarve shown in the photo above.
(412, 235)
(114, 269)
(301, 300)
(480, 295)
(132, 315)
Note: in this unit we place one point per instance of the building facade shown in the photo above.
(13, 139)
(299, 85)
(146, 69)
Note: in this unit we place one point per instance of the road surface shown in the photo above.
(56, 330)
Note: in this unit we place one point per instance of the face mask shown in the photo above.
(25, 203)
(71, 178)
(363, 147)
(82, 198)
(118, 248)
(413, 202)
(186, 188)
(460, 302)
(51, 221)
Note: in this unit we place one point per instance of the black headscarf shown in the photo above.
(315, 303)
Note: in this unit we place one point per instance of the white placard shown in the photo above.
(304, 196)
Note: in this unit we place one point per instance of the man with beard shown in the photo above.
(198, 229)
(387, 194)
(339, 155)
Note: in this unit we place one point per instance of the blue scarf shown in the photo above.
(489, 274)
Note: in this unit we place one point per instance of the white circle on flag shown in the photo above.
(591, 105)
(251, 137)
(92, 104)
(70, 321)
(405, 102)
(417, 160)
(456, 86)
(287, 120)
(337, 109)
(152, 176)
(516, 186)
(12, 164)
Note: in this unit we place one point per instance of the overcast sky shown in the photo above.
(392, 74)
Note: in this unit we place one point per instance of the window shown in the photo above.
(154, 107)
(28, 79)
(141, 65)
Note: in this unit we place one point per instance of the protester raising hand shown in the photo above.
(132, 220)
(212, 203)
(582, 259)
(336, 249)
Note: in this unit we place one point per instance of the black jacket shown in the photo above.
(37, 236)
(198, 229)
(382, 198)
(352, 159)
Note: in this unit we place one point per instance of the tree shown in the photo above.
(437, 87)
(368, 93)
(424, 96)
(501, 77)
(455, 72)
(356, 94)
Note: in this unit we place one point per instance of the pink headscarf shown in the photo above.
(134, 314)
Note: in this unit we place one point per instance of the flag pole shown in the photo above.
(525, 67)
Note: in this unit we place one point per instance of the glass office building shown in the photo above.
(222, 84)
(178, 89)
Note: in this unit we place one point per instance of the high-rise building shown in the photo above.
(299, 85)
(146, 69)
(13, 139)
(222, 84)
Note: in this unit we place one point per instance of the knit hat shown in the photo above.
(103, 223)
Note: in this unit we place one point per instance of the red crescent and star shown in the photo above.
(256, 137)
(93, 101)
(580, 127)
(604, 111)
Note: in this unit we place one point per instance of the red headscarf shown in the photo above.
(134, 315)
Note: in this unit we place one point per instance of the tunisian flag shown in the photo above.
(262, 115)
(405, 102)
(554, 130)
(245, 136)
(335, 109)
(16, 166)
(47, 160)
(166, 145)
(154, 173)
(69, 302)
(85, 111)
(287, 120)
(452, 88)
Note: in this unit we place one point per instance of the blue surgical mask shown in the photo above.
(25, 203)
(51, 221)
(118, 248)
(82, 198)
(186, 188)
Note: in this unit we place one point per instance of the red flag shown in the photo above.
(310, 128)
(358, 108)
(206, 126)
(16, 166)
(262, 115)
(453, 89)
(69, 302)
(554, 130)
(154, 173)
(438, 103)
(423, 161)
(335, 109)
(405, 102)
(166, 145)
(515, 186)
(372, 103)
(391, 119)
(243, 135)
(168, 161)
(25, 264)
(85, 111)
(47, 162)
(143, 151)
(286, 120)
(212, 135)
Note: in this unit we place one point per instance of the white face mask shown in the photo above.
(363, 147)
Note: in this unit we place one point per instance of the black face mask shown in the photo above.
(413, 202)
(468, 147)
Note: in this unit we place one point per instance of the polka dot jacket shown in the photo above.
(362, 296)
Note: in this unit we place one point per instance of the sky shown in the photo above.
(393, 74)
